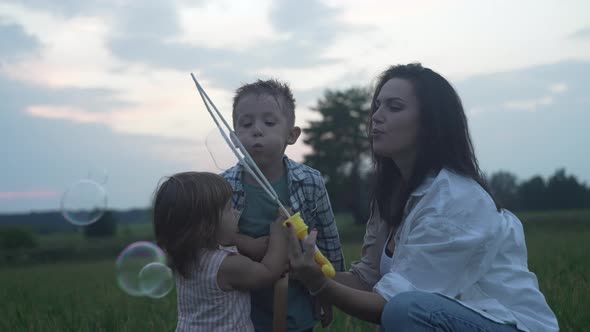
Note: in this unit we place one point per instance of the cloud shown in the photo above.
(18, 95)
(65, 8)
(307, 23)
(536, 103)
(15, 42)
(525, 89)
(71, 114)
(558, 88)
(76, 73)
(72, 52)
(146, 19)
(528, 105)
(237, 51)
(127, 83)
(227, 25)
(532, 120)
(583, 34)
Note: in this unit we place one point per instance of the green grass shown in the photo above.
(83, 295)
(559, 247)
(77, 297)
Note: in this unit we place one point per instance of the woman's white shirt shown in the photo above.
(453, 241)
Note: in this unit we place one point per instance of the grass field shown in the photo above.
(83, 295)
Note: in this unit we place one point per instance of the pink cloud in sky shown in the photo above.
(27, 194)
(65, 112)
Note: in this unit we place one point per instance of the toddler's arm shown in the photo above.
(240, 272)
(254, 248)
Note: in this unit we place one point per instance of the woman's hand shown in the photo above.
(302, 264)
(365, 305)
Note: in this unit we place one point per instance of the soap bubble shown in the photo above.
(140, 270)
(84, 202)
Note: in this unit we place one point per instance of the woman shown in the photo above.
(438, 253)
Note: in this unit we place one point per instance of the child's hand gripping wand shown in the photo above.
(301, 231)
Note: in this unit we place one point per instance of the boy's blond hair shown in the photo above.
(272, 87)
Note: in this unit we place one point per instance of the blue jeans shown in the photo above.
(422, 311)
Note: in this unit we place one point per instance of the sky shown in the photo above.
(104, 86)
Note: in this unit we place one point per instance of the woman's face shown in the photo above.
(395, 122)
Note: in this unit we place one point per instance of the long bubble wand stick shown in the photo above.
(244, 157)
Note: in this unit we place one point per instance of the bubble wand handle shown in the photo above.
(301, 231)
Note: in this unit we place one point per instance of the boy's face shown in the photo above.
(263, 128)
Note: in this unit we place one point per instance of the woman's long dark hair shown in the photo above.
(187, 211)
(443, 141)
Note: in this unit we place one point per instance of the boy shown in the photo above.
(264, 120)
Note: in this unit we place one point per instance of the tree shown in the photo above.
(341, 150)
(565, 192)
(16, 238)
(106, 226)
(533, 194)
(504, 186)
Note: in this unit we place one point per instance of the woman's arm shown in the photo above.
(345, 278)
(362, 304)
(328, 240)
(351, 280)
(365, 273)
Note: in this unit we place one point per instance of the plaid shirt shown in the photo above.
(307, 195)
